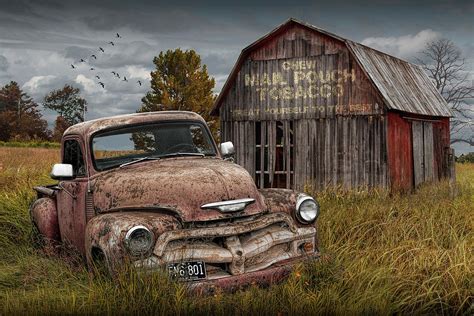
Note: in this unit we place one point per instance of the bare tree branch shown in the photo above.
(443, 62)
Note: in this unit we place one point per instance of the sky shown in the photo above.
(39, 40)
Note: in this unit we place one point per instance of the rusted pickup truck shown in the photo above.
(153, 190)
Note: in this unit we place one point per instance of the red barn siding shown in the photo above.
(400, 156)
(400, 153)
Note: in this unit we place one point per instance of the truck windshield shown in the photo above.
(161, 140)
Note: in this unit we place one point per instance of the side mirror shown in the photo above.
(62, 171)
(227, 149)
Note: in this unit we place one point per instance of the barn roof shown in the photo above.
(404, 86)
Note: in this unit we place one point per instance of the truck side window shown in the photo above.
(73, 155)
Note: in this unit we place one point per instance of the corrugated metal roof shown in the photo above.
(404, 86)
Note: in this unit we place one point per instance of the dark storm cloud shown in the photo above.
(133, 53)
(77, 53)
(219, 63)
(22, 7)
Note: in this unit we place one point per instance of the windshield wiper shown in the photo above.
(181, 154)
(139, 160)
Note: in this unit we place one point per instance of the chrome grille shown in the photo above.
(233, 249)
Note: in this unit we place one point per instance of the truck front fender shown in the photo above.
(280, 200)
(106, 233)
(44, 215)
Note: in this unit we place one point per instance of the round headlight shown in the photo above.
(139, 240)
(307, 209)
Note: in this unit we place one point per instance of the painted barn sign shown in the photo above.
(309, 87)
(306, 107)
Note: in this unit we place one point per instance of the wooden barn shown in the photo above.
(307, 107)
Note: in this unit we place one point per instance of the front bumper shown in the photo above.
(266, 277)
(239, 251)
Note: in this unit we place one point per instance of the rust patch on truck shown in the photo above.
(45, 216)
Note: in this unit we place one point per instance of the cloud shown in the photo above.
(3, 63)
(132, 53)
(220, 62)
(77, 53)
(138, 72)
(38, 83)
(88, 85)
(406, 46)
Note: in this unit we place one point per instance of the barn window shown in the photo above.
(274, 143)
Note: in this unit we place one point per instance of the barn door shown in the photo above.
(423, 152)
(274, 142)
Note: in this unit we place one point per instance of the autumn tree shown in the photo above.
(443, 62)
(68, 103)
(20, 118)
(60, 125)
(181, 82)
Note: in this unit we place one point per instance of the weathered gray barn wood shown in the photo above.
(428, 151)
(404, 86)
(305, 107)
(343, 151)
(418, 156)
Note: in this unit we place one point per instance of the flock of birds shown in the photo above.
(114, 73)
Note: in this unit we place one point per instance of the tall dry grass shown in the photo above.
(381, 254)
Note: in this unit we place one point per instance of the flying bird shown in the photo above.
(125, 78)
(102, 84)
(72, 66)
(111, 43)
(97, 77)
(101, 49)
(92, 68)
(82, 60)
(94, 56)
(139, 82)
(118, 35)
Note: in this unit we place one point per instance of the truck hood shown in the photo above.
(178, 185)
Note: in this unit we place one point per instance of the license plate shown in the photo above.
(193, 270)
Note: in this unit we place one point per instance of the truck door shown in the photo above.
(71, 197)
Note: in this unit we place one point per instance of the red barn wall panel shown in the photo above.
(400, 156)
(399, 144)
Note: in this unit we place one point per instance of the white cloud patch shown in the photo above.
(405, 46)
(88, 85)
(37, 83)
(138, 72)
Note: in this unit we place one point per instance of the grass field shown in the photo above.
(381, 253)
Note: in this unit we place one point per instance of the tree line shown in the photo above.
(181, 82)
